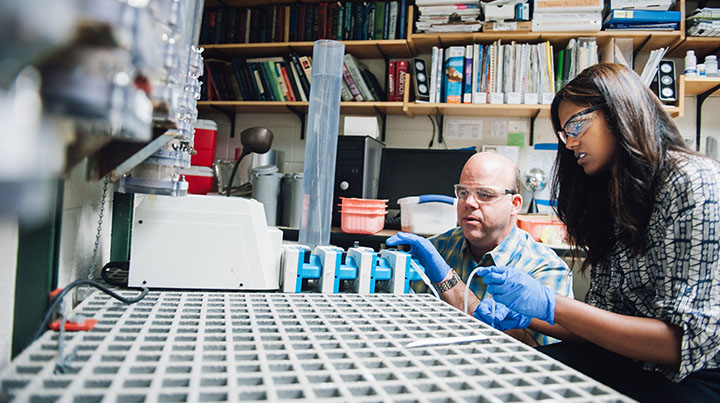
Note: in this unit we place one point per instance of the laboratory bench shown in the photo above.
(189, 346)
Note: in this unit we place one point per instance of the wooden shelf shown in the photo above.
(423, 43)
(359, 108)
(500, 110)
(702, 45)
(700, 85)
(370, 49)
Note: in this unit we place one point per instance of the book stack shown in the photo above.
(496, 73)
(284, 79)
(578, 55)
(448, 16)
(565, 16)
(342, 20)
(258, 79)
(641, 15)
(704, 22)
(396, 83)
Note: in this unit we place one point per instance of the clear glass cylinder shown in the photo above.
(321, 142)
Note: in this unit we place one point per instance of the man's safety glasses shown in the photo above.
(483, 194)
(578, 123)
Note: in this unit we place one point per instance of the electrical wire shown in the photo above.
(424, 277)
(432, 139)
(467, 291)
(123, 265)
(78, 283)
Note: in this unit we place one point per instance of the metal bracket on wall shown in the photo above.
(532, 128)
(383, 117)
(698, 113)
(230, 115)
(301, 116)
(439, 120)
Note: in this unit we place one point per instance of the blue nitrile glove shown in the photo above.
(435, 266)
(505, 319)
(520, 292)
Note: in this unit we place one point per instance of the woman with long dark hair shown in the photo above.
(646, 211)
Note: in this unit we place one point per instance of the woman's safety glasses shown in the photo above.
(578, 123)
(483, 194)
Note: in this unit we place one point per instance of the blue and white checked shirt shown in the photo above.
(677, 279)
(518, 250)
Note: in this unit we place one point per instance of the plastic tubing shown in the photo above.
(321, 143)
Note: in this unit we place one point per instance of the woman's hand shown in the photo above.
(520, 292)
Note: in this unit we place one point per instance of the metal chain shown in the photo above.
(99, 227)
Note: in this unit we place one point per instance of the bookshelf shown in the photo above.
(421, 43)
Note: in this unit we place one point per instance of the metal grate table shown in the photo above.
(223, 346)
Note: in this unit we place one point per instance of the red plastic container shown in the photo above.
(204, 143)
(200, 180)
(362, 223)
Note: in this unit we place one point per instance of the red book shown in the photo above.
(290, 93)
(322, 21)
(391, 81)
(401, 68)
(280, 24)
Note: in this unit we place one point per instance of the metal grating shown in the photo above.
(217, 346)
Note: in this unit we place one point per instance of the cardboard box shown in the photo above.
(512, 26)
(500, 10)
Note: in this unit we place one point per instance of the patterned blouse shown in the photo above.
(518, 250)
(677, 279)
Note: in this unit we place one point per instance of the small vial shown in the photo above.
(690, 63)
(701, 70)
(711, 66)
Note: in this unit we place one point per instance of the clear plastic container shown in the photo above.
(323, 122)
(690, 63)
(427, 214)
(711, 66)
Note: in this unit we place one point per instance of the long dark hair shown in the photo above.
(599, 210)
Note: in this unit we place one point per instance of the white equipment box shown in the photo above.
(203, 242)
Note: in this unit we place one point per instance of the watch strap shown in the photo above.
(449, 283)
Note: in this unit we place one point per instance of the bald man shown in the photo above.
(487, 209)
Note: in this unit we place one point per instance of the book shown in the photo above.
(306, 64)
(402, 23)
(453, 76)
(439, 72)
(373, 84)
(300, 74)
(433, 76)
(345, 94)
(640, 17)
(379, 20)
(286, 81)
(354, 69)
(391, 81)
(352, 87)
(401, 69)
(467, 75)
(371, 15)
(298, 82)
(392, 20)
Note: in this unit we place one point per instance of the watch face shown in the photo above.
(419, 66)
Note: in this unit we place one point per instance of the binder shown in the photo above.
(640, 17)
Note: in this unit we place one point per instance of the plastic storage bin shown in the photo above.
(362, 216)
(427, 214)
(204, 143)
(199, 179)
(542, 228)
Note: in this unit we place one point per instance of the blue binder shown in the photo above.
(640, 17)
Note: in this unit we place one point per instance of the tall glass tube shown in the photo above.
(321, 142)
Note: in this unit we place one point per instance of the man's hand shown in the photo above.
(504, 318)
(435, 266)
(520, 292)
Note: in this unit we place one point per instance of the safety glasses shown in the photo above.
(578, 123)
(483, 194)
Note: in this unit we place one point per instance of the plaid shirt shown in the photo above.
(677, 279)
(518, 250)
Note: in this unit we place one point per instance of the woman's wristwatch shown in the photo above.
(449, 283)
